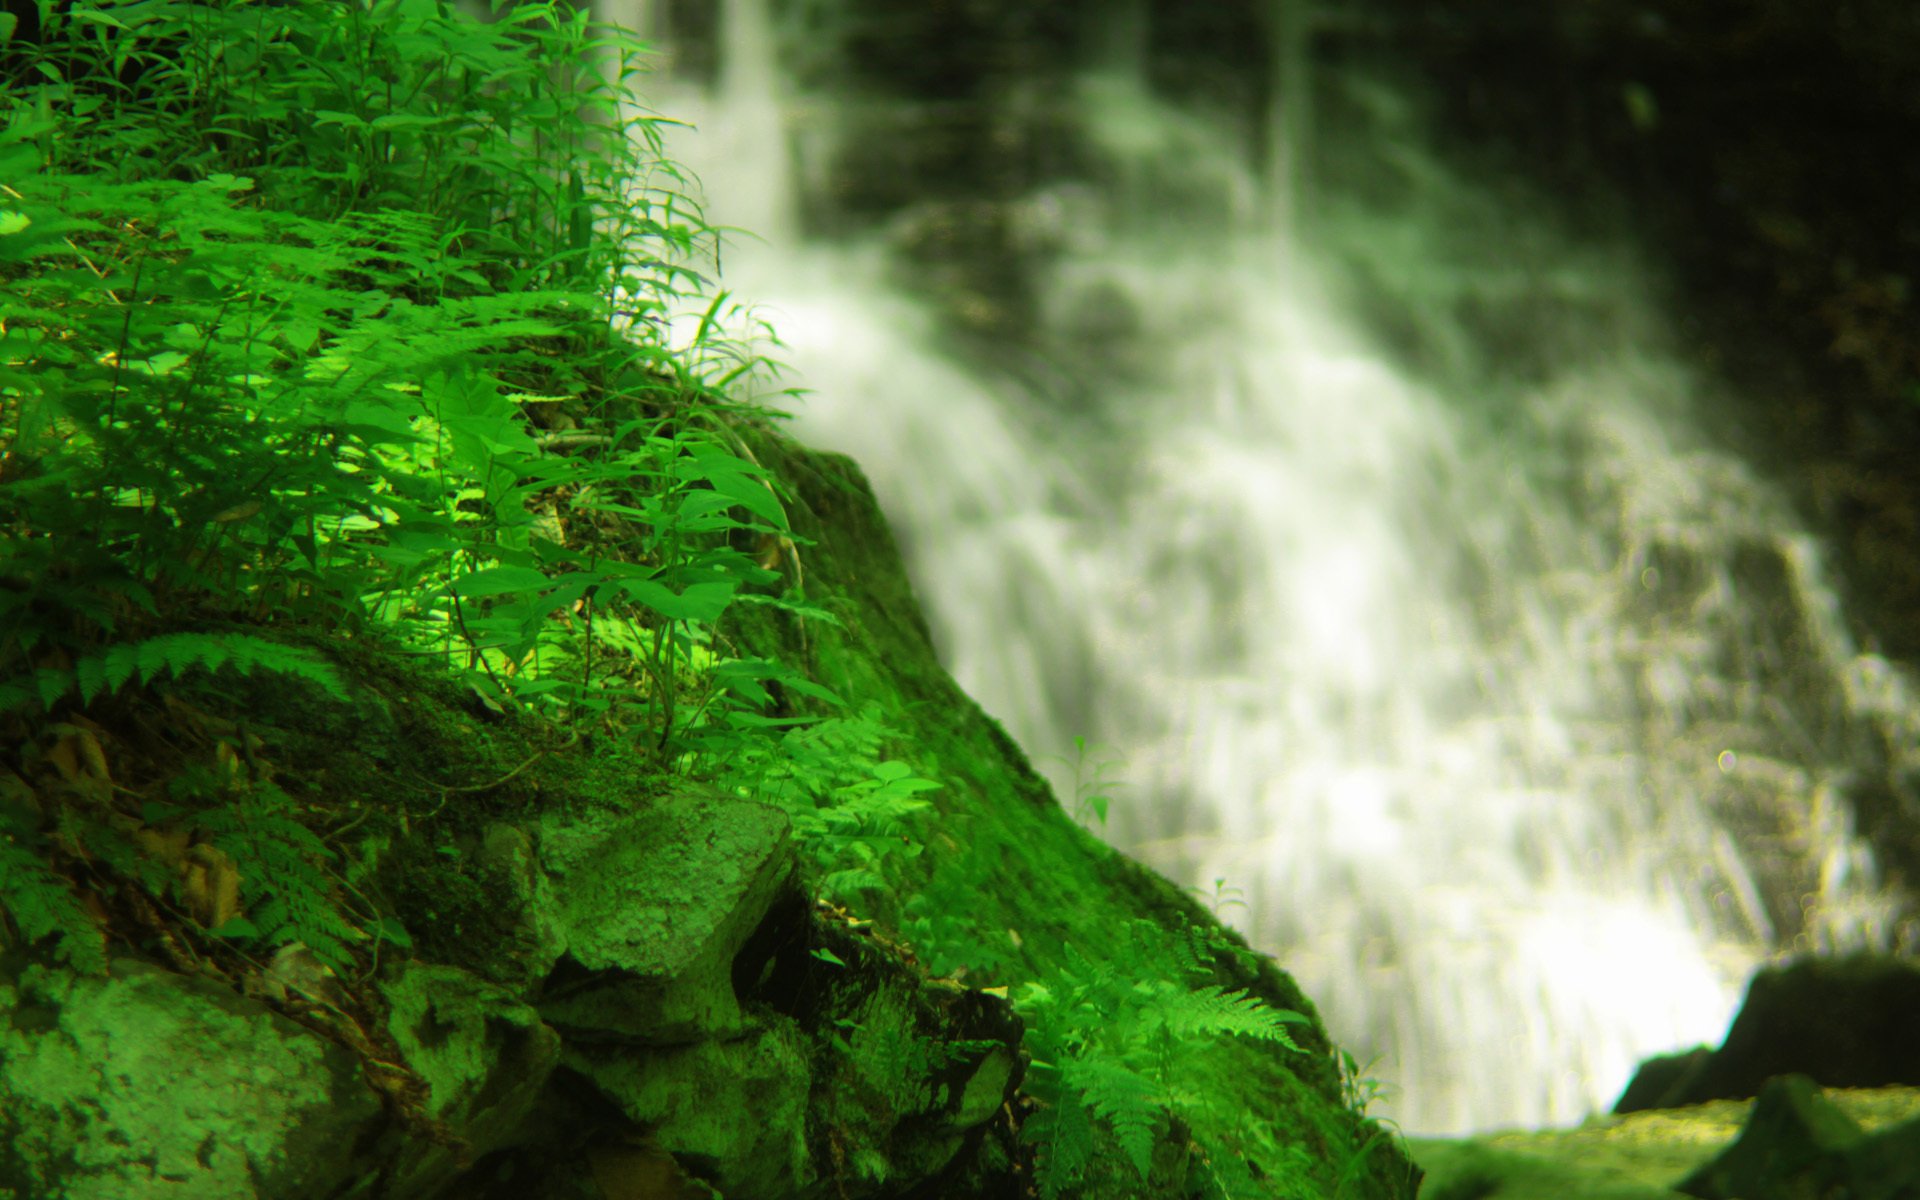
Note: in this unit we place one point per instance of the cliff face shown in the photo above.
(621, 984)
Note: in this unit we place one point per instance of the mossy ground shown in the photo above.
(1639, 1156)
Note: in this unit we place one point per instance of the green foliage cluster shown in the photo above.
(354, 317)
(1091, 783)
(1114, 1049)
(852, 807)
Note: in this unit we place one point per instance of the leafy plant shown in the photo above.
(852, 807)
(41, 903)
(174, 655)
(353, 316)
(1221, 896)
(283, 870)
(1090, 783)
(1109, 1050)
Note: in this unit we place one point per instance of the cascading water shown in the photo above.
(1517, 714)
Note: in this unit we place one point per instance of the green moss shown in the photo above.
(1007, 880)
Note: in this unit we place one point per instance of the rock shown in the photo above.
(148, 1083)
(1639, 1156)
(846, 1035)
(733, 1111)
(652, 905)
(1843, 1022)
(484, 1056)
(1663, 1081)
(1790, 1137)
(1796, 1144)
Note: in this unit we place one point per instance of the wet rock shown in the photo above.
(1842, 1022)
(484, 1056)
(652, 906)
(1662, 1081)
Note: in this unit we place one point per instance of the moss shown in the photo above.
(1007, 880)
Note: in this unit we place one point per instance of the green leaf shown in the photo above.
(699, 602)
(497, 581)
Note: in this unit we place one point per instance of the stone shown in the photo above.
(1796, 1145)
(484, 1055)
(147, 1083)
(653, 904)
(1663, 1081)
(1792, 1135)
(1843, 1021)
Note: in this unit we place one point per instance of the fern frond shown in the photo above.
(1065, 1134)
(1214, 1010)
(283, 876)
(176, 654)
(42, 905)
(1128, 1102)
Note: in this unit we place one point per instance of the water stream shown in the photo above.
(1510, 712)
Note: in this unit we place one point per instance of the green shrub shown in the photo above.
(352, 316)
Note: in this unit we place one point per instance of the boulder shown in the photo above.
(1795, 1144)
(651, 904)
(1844, 1022)
(148, 1083)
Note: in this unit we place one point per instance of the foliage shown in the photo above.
(851, 806)
(1109, 1049)
(175, 655)
(283, 869)
(1090, 784)
(40, 902)
(354, 317)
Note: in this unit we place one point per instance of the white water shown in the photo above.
(1393, 657)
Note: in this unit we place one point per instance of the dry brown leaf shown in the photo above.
(167, 846)
(210, 886)
(81, 762)
(296, 969)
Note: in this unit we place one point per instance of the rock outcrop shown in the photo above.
(620, 983)
(1845, 1022)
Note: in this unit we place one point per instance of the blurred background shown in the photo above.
(1454, 462)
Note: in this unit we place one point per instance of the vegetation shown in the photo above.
(350, 323)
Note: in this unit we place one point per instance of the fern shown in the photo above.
(1128, 1102)
(851, 808)
(1067, 1133)
(1214, 1010)
(42, 905)
(169, 655)
(283, 872)
(1109, 1045)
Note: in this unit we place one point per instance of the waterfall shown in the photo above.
(1514, 714)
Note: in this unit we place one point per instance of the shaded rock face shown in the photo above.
(1796, 1143)
(1841, 1022)
(1761, 151)
(656, 1006)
